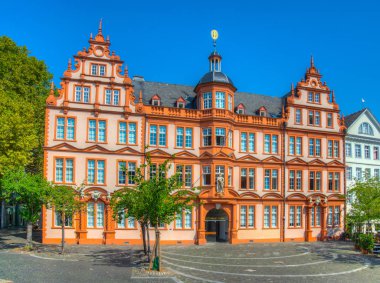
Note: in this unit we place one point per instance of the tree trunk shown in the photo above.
(143, 236)
(63, 233)
(29, 233)
(148, 236)
(158, 239)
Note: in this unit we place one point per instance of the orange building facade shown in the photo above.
(267, 169)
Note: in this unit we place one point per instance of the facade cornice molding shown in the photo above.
(363, 139)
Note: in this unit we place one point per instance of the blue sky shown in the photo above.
(266, 45)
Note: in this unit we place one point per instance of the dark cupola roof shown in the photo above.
(215, 74)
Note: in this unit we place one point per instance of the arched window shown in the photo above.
(365, 129)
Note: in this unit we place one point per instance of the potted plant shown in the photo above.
(366, 243)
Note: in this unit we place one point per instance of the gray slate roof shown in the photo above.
(169, 93)
(350, 119)
(215, 77)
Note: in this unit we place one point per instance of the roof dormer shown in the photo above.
(156, 100)
(240, 109)
(181, 102)
(262, 111)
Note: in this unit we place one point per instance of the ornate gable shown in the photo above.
(272, 159)
(296, 161)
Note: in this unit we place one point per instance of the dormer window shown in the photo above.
(181, 102)
(156, 100)
(98, 70)
(262, 111)
(366, 129)
(240, 109)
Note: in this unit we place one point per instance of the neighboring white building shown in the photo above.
(362, 147)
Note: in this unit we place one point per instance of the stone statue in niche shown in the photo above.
(219, 184)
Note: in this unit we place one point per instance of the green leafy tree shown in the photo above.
(31, 192)
(365, 206)
(18, 137)
(25, 79)
(66, 202)
(154, 201)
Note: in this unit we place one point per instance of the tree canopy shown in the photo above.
(365, 205)
(24, 86)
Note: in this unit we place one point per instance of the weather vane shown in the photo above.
(214, 36)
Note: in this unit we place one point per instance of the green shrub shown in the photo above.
(366, 242)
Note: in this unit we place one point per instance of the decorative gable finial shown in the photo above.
(333, 96)
(90, 36)
(126, 71)
(69, 65)
(100, 29)
(292, 89)
(140, 97)
(311, 61)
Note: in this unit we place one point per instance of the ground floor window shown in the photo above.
(316, 216)
(270, 216)
(58, 221)
(247, 216)
(124, 222)
(184, 219)
(295, 216)
(95, 215)
(333, 216)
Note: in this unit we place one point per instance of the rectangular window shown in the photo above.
(188, 218)
(291, 145)
(298, 146)
(311, 117)
(230, 139)
(220, 100)
(96, 172)
(333, 181)
(359, 174)
(65, 128)
(206, 175)
(153, 135)
(367, 152)
(316, 98)
(295, 216)
(230, 169)
(58, 220)
(207, 137)
(185, 174)
(292, 180)
(82, 94)
(98, 70)
(131, 173)
(70, 128)
(314, 147)
(220, 134)
(336, 216)
(330, 148)
(97, 130)
(298, 116)
(132, 133)
(243, 142)
(112, 96)
(317, 118)
(230, 102)
(271, 144)
(315, 180)
(274, 217)
(108, 97)
(61, 128)
(189, 138)
(330, 216)
(336, 149)
(64, 170)
(348, 150)
(121, 173)
(179, 220)
(116, 97)
(318, 216)
(180, 137)
(251, 142)
(243, 216)
(367, 173)
(310, 97)
(90, 214)
(161, 136)
(102, 70)
(299, 180)
(358, 151)
(99, 214)
(376, 173)
(329, 120)
(184, 137)
(271, 179)
(349, 173)
(152, 171)
(376, 153)
(243, 178)
(131, 222)
(207, 100)
(247, 216)
(266, 216)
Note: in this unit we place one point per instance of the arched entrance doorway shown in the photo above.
(216, 226)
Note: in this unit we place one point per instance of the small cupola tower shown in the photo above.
(215, 62)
